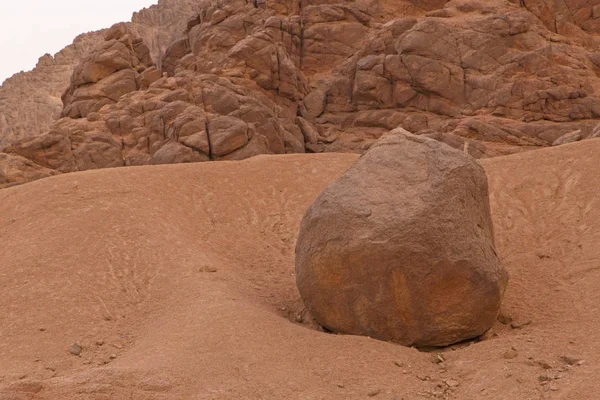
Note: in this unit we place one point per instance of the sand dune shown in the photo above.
(177, 281)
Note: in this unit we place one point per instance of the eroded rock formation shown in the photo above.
(491, 77)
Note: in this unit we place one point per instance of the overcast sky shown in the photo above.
(31, 28)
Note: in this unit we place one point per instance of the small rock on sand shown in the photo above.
(75, 349)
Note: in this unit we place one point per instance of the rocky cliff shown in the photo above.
(204, 80)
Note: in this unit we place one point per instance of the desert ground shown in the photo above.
(177, 282)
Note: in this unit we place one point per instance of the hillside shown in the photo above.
(232, 79)
(177, 282)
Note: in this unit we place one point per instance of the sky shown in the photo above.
(32, 28)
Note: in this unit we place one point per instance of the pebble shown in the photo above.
(75, 349)
(299, 318)
(520, 324)
(439, 359)
(544, 364)
(341, 385)
(504, 319)
(510, 354)
(424, 377)
(570, 360)
(451, 383)
(553, 387)
(544, 378)
(398, 364)
(99, 342)
(374, 393)
(112, 356)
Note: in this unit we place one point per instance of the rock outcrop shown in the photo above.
(492, 77)
(119, 110)
(401, 247)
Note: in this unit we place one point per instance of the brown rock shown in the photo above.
(497, 77)
(227, 134)
(381, 247)
(568, 138)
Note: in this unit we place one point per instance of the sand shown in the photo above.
(177, 282)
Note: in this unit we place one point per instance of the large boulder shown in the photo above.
(401, 247)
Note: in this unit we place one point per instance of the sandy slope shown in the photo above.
(178, 282)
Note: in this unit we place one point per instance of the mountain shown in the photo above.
(235, 78)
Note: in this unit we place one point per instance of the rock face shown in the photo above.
(492, 77)
(401, 247)
(119, 110)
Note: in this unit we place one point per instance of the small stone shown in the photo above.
(451, 383)
(439, 359)
(405, 371)
(299, 318)
(520, 324)
(424, 377)
(510, 354)
(75, 349)
(544, 378)
(504, 319)
(544, 364)
(374, 393)
(42, 329)
(580, 363)
(570, 360)
(99, 342)
(341, 385)
(112, 356)
(553, 387)
(23, 376)
(398, 364)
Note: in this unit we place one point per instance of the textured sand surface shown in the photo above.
(177, 282)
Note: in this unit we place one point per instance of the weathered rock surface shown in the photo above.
(119, 110)
(491, 77)
(401, 247)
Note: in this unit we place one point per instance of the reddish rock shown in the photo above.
(491, 77)
(401, 247)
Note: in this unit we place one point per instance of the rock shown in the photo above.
(570, 360)
(401, 247)
(315, 103)
(451, 383)
(227, 134)
(355, 69)
(504, 319)
(510, 354)
(595, 132)
(75, 349)
(310, 133)
(520, 324)
(568, 138)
